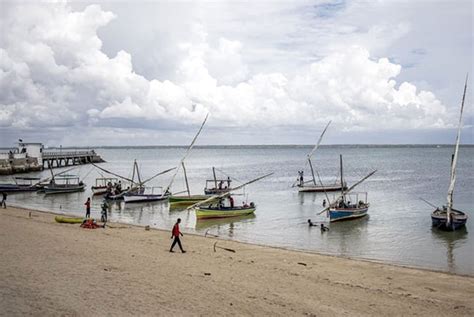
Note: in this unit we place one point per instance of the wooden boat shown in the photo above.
(62, 219)
(22, 184)
(103, 184)
(211, 212)
(64, 184)
(216, 209)
(136, 192)
(342, 208)
(148, 194)
(217, 186)
(446, 217)
(313, 185)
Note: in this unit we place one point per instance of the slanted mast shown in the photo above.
(455, 158)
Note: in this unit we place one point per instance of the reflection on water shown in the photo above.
(224, 226)
(450, 240)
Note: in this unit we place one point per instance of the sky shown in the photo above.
(268, 72)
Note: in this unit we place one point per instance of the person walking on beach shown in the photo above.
(88, 207)
(4, 200)
(175, 233)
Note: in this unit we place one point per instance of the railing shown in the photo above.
(62, 154)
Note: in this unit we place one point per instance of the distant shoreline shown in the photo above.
(252, 146)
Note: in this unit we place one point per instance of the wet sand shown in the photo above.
(47, 268)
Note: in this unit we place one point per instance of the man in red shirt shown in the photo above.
(175, 233)
(88, 207)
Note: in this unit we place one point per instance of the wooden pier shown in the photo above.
(68, 158)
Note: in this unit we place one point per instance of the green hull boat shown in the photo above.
(225, 212)
(186, 200)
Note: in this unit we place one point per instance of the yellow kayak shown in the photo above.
(62, 219)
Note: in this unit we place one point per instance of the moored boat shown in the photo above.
(64, 184)
(103, 185)
(312, 185)
(213, 207)
(22, 184)
(148, 194)
(211, 212)
(446, 217)
(342, 208)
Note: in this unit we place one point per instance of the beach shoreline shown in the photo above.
(48, 270)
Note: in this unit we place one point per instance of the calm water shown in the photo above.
(398, 229)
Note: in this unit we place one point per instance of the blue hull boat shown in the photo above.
(439, 219)
(339, 214)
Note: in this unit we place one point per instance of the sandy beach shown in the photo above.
(48, 269)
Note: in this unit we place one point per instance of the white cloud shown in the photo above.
(53, 72)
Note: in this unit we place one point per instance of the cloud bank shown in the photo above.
(54, 74)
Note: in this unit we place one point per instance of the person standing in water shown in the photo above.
(175, 233)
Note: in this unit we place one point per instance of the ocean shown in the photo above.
(398, 229)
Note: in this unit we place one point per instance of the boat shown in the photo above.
(103, 185)
(313, 185)
(136, 192)
(62, 219)
(22, 184)
(177, 200)
(349, 205)
(215, 211)
(145, 194)
(217, 186)
(64, 184)
(215, 208)
(446, 217)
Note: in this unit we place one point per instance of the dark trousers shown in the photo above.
(4, 203)
(176, 240)
(88, 212)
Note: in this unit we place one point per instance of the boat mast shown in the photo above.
(455, 159)
(186, 179)
(133, 173)
(342, 178)
(215, 179)
(312, 170)
(138, 173)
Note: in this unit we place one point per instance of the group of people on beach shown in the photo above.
(175, 232)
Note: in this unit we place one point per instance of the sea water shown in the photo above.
(397, 230)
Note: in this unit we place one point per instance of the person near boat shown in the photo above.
(4, 200)
(324, 202)
(88, 207)
(311, 224)
(301, 178)
(231, 202)
(175, 233)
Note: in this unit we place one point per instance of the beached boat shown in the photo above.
(313, 185)
(446, 217)
(22, 184)
(348, 205)
(64, 184)
(215, 208)
(103, 185)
